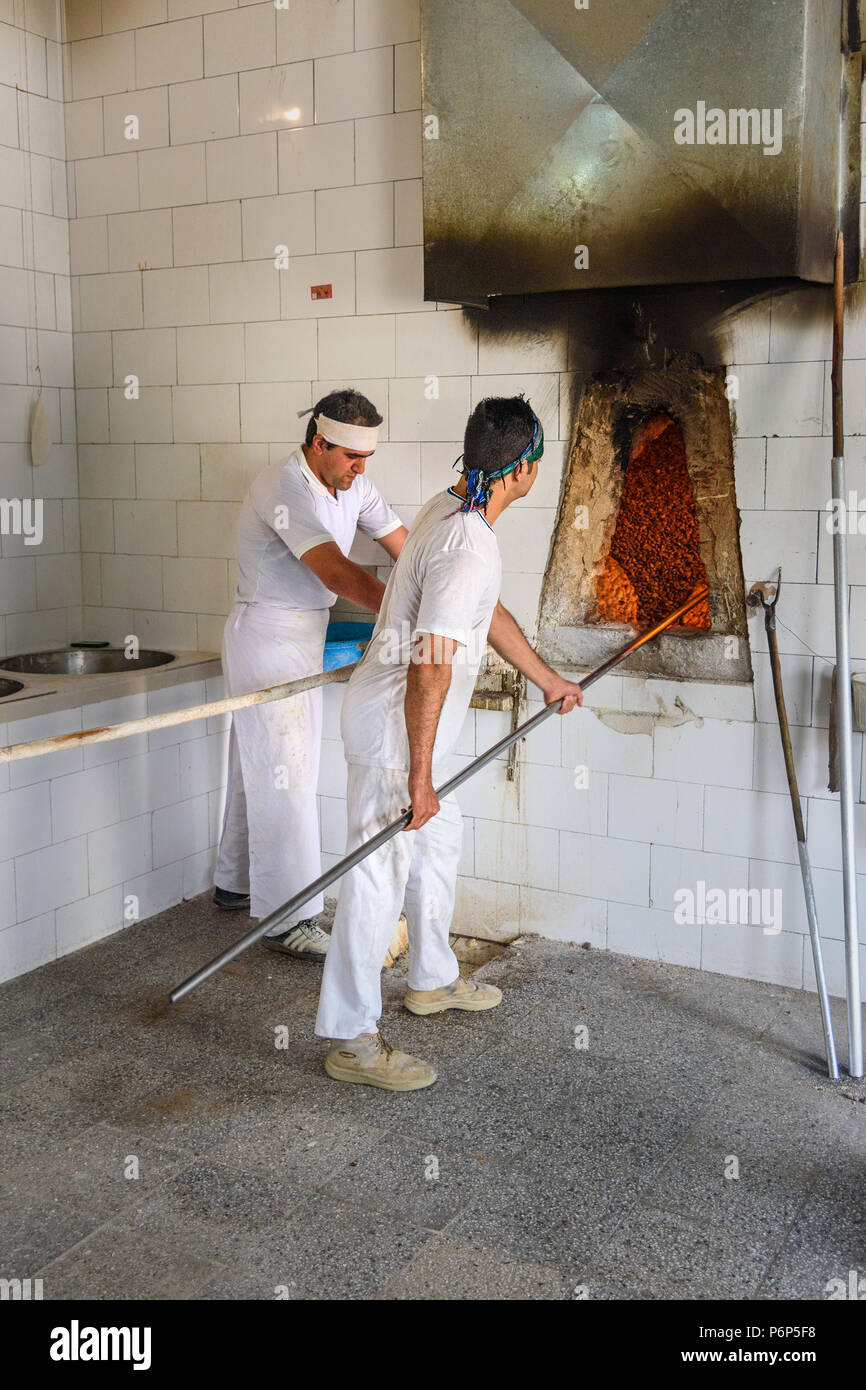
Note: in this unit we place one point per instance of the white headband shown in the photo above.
(356, 437)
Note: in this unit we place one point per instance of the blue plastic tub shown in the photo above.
(344, 643)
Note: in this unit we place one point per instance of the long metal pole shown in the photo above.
(150, 722)
(279, 915)
(802, 850)
(843, 682)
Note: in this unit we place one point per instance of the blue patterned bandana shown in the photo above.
(479, 483)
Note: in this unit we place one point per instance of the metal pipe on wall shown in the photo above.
(843, 681)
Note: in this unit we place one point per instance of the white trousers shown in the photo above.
(270, 837)
(416, 869)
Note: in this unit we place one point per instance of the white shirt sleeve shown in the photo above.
(293, 517)
(376, 518)
(452, 589)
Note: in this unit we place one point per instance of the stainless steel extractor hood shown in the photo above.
(635, 142)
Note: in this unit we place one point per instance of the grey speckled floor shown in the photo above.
(149, 1152)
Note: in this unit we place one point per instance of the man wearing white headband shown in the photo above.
(296, 528)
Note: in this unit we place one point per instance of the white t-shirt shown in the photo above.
(446, 582)
(286, 512)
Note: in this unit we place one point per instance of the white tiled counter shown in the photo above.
(94, 838)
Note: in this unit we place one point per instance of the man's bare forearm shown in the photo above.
(344, 577)
(509, 642)
(427, 685)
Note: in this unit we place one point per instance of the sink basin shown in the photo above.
(84, 661)
(9, 687)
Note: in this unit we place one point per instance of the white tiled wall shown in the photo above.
(301, 127)
(40, 585)
(96, 838)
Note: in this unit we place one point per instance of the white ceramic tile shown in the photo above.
(176, 297)
(173, 176)
(386, 21)
(150, 107)
(316, 157)
(206, 413)
(355, 219)
(756, 824)
(348, 347)
(276, 98)
(204, 110)
(50, 877)
(390, 281)
(207, 233)
(88, 245)
(148, 353)
(301, 33)
(208, 529)
(107, 470)
(106, 184)
(407, 77)
(197, 585)
(250, 291)
(415, 417)
(210, 354)
(652, 935)
(102, 65)
(268, 223)
(90, 919)
(149, 781)
(281, 350)
(27, 945)
(563, 917)
(25, 820)
(168, 53)
(158, 890)
(354, 84)
(270, 411)
(130, 580)
(239, 39)
(245, 167)
(666, 812)
(84, 801)
(145, 528)
(388, 147)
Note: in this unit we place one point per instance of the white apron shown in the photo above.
(270, 836)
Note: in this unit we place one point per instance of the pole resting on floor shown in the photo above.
(294, 904)
(758, 595)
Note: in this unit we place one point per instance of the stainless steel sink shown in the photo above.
(85, 661)
(9, 687)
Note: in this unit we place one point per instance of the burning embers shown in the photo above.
(647, 514)
(654, 562)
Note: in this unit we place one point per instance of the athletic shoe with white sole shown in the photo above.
(369, 1060)
(305, 940)
(461, 994)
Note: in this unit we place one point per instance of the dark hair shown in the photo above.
(347, 406)
(497, 432)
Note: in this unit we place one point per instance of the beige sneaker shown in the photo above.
(462, 994)
(371, 1061)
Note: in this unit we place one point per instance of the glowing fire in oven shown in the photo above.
(654, 561)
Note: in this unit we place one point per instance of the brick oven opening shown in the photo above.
(654, 562)
(648, 514)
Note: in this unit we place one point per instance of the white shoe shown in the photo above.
(305, 940)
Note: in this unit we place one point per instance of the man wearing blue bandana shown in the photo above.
(402, 715)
